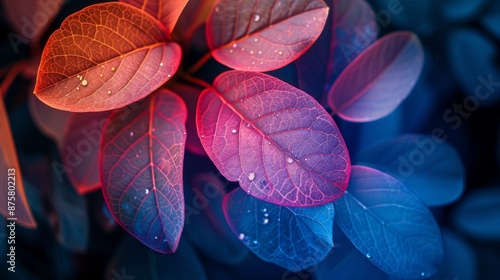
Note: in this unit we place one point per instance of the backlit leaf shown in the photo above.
(104, 57)
(293, 238)
(9, 164)
(376, 82)
(276, 140)
(166, 11)
(261, 36)
(389, 225)
(142, 153)
(80, 150)
(478, 214)
(427, 165)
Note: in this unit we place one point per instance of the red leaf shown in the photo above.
(166, 11)
(103, 57)
(80, 150)
(30, 18)
(276, 140)
(11, 178)
(142, 152)
(379, 79)
(257, 35)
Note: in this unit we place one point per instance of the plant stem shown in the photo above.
(193, 80)
(200, 63)
(11, 76)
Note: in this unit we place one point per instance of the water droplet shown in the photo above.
(202, 136)
(131, 134)
(265, 221)
(235, 45)
(156, 237)
(146, 191)
(251, 176)
(368, 255)
(306, 159)
(113, 68)
(169, 75)
(85, 83)
(255, 242)
(231, 51)
(102, 66)
(255, 40)
(263, 210)
(109, 92)
(289, 159)
(262, 62)
(135, 197)
(268, 143)
(217, 9)
(260, 52)
(280, 53)
(100, 75)
(234, 131)
(423, 273)
(251, 52)
(257, 17)
(248, 192)
(241, 236)
(266, 214)
(249, 125)
(77, 88)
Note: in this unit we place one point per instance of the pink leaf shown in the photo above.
(261, 36)
(142, 152)
(276, 140)
(80, 150)
(379, 79)
(166, 11)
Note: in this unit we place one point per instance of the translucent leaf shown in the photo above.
(261, 36)
(389, 225)
(142, 154)
(276, 140)
(478, 214)
(293, 238)
(379, 79)
(126, 57)
(427, 165)
(12, 191)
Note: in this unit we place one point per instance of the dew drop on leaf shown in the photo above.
(289, 160)
(234, 132)
(131, 134)
(251, 176)
(146, 191)
(85, 83)
(241, 236)
(256, 18)
(113, 68)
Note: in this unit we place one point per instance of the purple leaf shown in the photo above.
(379, 79)
(142, 152)
(293, 238)
(254, 35)
(276, 140)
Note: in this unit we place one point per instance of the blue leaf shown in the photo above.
(293, 238)
(204, 214)
(426, 165)
(459, 260)
(478, 214)
(456, 10)
(389, 225)
(491, 19)
(134, 260)
(406, 14)
(472, 62)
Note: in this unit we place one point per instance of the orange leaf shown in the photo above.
(11, 179)
(166, 11)
(104, 57)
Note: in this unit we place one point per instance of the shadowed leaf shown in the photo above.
(166, 11)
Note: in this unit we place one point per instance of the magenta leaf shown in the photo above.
(276, 140)
(80, 149)
(379, 79)
(142, 153)
(261, 36)
(293, 238)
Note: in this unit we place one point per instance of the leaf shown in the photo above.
(352, 29)
(142, 152)
(190, 95)
(10, 175)
(48, 120)
(261, 36)
(491, 19)
(166, 11)
(478, 75)
(415, 16)
(204, 214)
(194, 15)
(293, 238)
(126, 46)
(30, 18)
(133, 261)
(80, 150)
(478, 214)
(276, 140)
(461, 10)
(427, 165)
(389, 225)
(376, 82)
